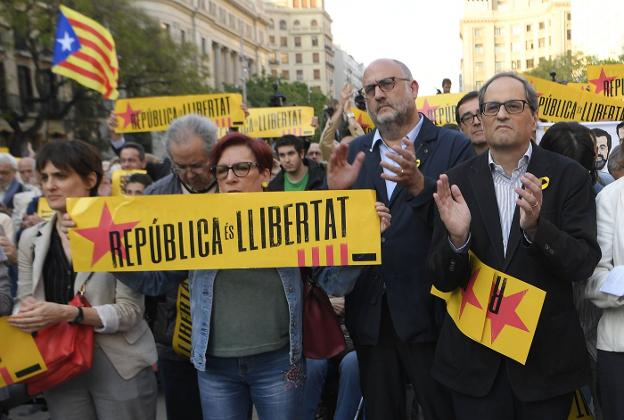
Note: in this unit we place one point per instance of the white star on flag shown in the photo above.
(66, 42)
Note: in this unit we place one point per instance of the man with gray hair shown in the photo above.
(189, 141)
(529, 216)
(9, 185)
(616, 162)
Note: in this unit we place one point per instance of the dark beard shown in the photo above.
(600, 163)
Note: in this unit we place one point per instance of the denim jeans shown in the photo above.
(229, 385)
(349, 394)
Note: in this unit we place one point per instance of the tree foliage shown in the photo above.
(569, 67)
(151, 63)
(261, 88)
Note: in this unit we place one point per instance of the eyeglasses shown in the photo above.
(514, 106)
(240, 169)
(196, 168)
(469, 117)
(386, 85)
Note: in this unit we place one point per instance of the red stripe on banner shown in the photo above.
(344, 254)
(106, 57)
(90, 59)
(6, 376)
(90, 75)
(229, 122)
(98, 34)
(329, 254)
(315, 256)
(301, 257)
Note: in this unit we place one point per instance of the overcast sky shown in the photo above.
(422, 34)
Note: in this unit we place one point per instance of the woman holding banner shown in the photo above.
(120, 384)
(247, 323)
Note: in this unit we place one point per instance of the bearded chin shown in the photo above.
(600, 163)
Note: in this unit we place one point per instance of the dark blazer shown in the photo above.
(402, 276)
(564, 250)
(316, 178)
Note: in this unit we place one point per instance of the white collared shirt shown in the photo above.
(384, 150)
(504, 187)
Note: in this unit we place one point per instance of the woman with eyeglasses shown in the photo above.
(247, 323)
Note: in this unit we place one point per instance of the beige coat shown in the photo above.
(132, 347)
(610, 219)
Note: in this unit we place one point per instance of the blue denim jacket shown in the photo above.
(335, 280)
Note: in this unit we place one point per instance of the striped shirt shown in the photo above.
(504, 187)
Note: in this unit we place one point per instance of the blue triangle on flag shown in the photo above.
(66, 41)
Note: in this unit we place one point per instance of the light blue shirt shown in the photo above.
(384, 150)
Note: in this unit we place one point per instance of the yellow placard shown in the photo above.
(564, 103)
(118, 175)
(279, 121)
(20, 358)
(440, 109)
(43, 209)
(580, 409)
(4, 150)
(497, 310)
(183, 328)
(606, 79)
(363, 119)
(218, 231)
(156, 113)
(586, 87)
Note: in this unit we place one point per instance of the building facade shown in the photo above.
(347, 70)
(231, 35)
(503, 35)
(301, 40)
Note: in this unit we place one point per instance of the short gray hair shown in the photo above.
(183, 128)
(529, 92)
(616, 160)
(7, 158)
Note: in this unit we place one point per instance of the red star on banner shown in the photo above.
(469, 295)
(506, 315)
(360, 120)
(600, 81)
(129, 116)
(100, 235)
(428, 110)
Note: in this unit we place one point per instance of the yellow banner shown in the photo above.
(440, 109)
(183, 324)
(579, 410)
(156, 113)
(496, 310)
(363, 119)
(587, 87)
(43, 209)
(563, 103)
(218, 231)
(19, 355)
(606, 79)
(278, 121)
(119, 179)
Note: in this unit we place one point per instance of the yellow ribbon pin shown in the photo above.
(545, 182)
(418, 163)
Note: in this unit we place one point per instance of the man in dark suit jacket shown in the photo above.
(390, 314)
(496, 206)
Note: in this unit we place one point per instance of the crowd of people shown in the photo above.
(444, 196)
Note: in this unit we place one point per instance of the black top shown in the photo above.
(58, 273)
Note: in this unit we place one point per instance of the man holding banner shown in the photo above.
(528, 218)
(390, 314)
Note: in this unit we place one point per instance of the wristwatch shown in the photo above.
(79, 317)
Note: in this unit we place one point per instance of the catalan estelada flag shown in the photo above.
(85, 51)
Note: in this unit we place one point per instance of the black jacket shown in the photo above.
(415, 313)
(564, 250)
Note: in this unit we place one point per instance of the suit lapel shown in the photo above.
(372, 165)
(42, 246)
(538, 166)
(483, 187)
